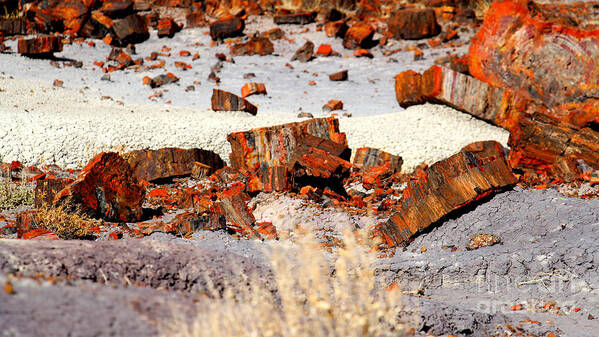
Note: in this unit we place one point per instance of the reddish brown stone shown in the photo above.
(408, 88)
(120, 57)
(319, 168)
(224, 28)
(413, 24)
(271, 165)
(73, 13)
(333, 105)
(117, 8)
(339, 76)
(304, 53)
(232, 203)
(274, 34)
(336, 29)
(226, 101)
(255, 46)
(302, 18)
(131, 29)
(477, 171)
(106, 188)
(201, 171)
(169, 162)
(167, 28)
(363, 53)
(546, 148)
(162, 79)
(253, 88)
(46, 189)
(359, 36)
(324, 50)
(367, 157)
(40, 46)
(536, 55)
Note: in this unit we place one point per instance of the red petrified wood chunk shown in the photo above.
(413, 24)
(117, 8)
(40, 46)
(253, 88)
(131, 29)
(367, 157)
(167, 28)
(257, 45)
(324, 50)
(333, 105)
(170, 162)
(336, 29)
(359, 36)
(228, 27)
(285, 17)
(540, 58)
(339, 76)
(477, 171)
(106, 188)
(226, 101)
(161, 80)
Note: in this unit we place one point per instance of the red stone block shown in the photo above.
(336, 29)
(131, 29)
(42, 46)
(302, 18)
(253, 88)
(106, 188)
(367, 157)
(359, 36)
(225, 28)
(257, 45)
(339, 76)
(167, 28)
(170, 162)
(333, 105)
(162, 79)
(413, 24)
(324, 50)
(226, 101)
(475, 172)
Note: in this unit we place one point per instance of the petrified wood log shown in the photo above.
(367, 157)
(319, 168)
(224, 28)
(226, 101)
(270, 153)
(40, 46)
(257, 45)
(252, 88)
(339, 76)
(294, 18)
(476, 171)
(553, 64)
(462, 92)
(543, 146)
(170, 162)
(106, 188)
(413, 24)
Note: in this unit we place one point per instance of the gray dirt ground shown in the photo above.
(547, 238)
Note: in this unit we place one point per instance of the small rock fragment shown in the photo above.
(58, 83)
(43, 46)
(167, 28)
(225, 28)
(226, 101)
(253, 88)
(359, 36)
(339, 76)
(482, 240)
(257, 45)
(304, 53)
(333, 105)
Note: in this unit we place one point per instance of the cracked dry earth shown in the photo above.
(546, 267)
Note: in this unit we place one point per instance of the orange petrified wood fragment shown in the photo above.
(533, 53)
(476, 171)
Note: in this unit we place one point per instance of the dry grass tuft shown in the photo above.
(66, 222)
(13, 195)
(316, 294)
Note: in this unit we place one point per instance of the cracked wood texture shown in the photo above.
(473, 173)
(523, 47)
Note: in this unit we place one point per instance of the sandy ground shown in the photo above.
(41, 124)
